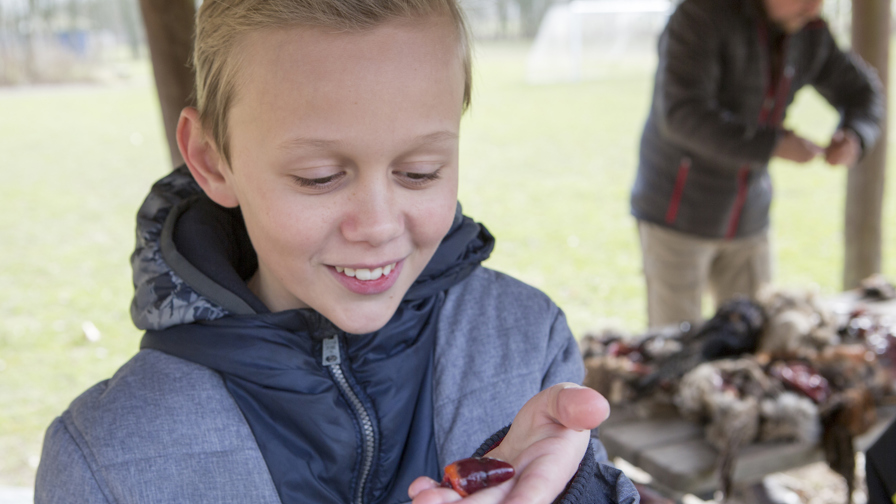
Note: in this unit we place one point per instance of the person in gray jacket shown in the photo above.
(319, 328)
(728, 69)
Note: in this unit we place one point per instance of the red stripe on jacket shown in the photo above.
(743, 179)
(680, 179)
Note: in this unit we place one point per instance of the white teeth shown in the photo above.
(366, 274)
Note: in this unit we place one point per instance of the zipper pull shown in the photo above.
(331, 356)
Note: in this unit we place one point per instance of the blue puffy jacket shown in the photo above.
(227, 402)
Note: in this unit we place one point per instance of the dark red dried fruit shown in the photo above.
(620, 349)
(801, 378)
(470, 475)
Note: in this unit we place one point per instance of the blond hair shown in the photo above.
(221, 24)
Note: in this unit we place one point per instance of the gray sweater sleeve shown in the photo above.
(64, 475)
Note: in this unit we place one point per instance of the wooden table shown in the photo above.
(677, 456)
(674, 451)
(842, 304)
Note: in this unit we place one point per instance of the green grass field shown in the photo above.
(546, 168)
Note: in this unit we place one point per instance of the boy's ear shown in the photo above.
(203, 159)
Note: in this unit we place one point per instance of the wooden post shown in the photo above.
(865, 182)
(169, 31)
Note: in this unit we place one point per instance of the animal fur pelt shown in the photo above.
(877, 287)
(733, 331)
(797, 324)
(789, 417)
(616, 364)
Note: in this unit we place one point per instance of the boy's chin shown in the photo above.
(362, 321)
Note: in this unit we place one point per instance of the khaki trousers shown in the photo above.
(680, 267)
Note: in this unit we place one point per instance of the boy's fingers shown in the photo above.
(576, 407)
(538, 484)
(436, 496)
(492, 495)
(420, 484)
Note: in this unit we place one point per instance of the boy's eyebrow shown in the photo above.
(437, 137)
(316, 143)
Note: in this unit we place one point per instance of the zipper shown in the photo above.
(331, 357)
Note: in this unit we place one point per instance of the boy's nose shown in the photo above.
(374, 217)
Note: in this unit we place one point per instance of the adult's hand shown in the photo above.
(844, 149)
(545, 444)
(796, 148)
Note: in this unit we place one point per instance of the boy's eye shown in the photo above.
(319, 183)
(418, 179)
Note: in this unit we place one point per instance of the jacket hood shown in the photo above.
(193, 257)
(332, 428)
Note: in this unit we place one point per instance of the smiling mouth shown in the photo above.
(366, 274)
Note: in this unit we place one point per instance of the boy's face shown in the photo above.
(344, 149)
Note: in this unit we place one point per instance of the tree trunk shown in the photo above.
(865, 182)
(130, 25)
(169, 31)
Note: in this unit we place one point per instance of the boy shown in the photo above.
(318, 326)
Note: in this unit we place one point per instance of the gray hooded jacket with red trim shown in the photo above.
(724, 80)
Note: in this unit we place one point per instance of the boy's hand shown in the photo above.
(844, 148)
(545, 444)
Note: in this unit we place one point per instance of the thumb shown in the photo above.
(576, 407)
